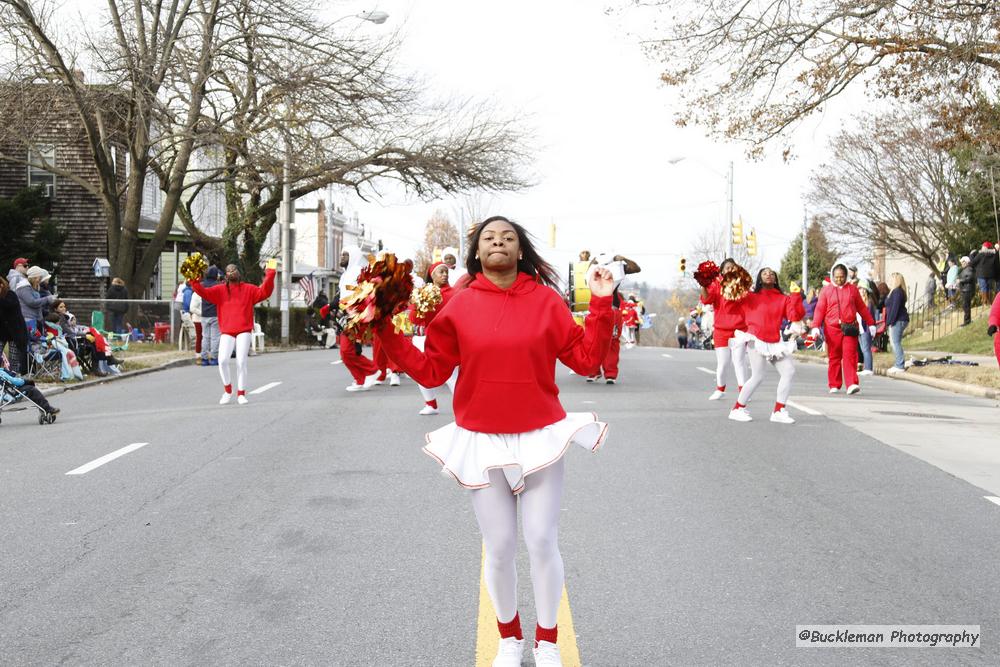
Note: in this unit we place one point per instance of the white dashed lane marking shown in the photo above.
(269, 385)
(107, 458)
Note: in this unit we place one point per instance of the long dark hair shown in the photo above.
(531, 262)
(759, 285)
(727, 260)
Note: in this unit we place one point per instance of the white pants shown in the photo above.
(241, 343)
(733, 355)
(496, 512)
(430, 394)
(758, 362)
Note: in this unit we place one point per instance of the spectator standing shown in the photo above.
(321, 300)
(13, 331)
(967, 288)
(186, 335)
(117, 306)
(195, 307)
(896, 319)
(18, 272)
(32, 302)
(210, 322)
(682, 333)
(951, 279)
(812, 298)
(930, 290)
(866, 339)
(987, 267)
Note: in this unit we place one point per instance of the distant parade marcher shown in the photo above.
(234, 301)
(362, 369)
(438, 275)
(730, 352)
(619, 266)
(764, 309)
(506, 330)
(449, 256)
(836, 314)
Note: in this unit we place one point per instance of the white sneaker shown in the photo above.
(393, 379)
(740, 415)
(226, 397)
(611, 381)
(359, 387)
(782, 417)
(853, 389)
(716, 395)
(834, 390)
(510, 652)
(428, 410)
(892, 370)
(242, 400)
(547, 655)
(372, 380)
(866, 372)
(593, 378)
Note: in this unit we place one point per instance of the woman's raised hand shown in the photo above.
(601, 283)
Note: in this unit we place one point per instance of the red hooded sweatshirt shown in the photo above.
(235, 301)
(994, 318)
(764, 311)
(507, 342)
(840, 304)
(728, 314)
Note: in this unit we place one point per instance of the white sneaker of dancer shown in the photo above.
(242, 400)
(510, 652)
(782, 417)
(834, 390)
(593, 378)
(372, 380)
(226, 397)
(393, 379)
(428, 410)
(716, 395)
(853, 389)
(740, 415)
(611, 381)
(547, 655)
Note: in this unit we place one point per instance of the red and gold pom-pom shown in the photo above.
(383, 290)
(706, 273)
(736, 284)
(426, 299)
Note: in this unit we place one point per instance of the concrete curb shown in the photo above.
(54, 391)
(937, 383)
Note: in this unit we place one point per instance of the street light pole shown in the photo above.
(729, 208)
(805, 253)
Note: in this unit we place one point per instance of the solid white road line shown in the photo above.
(269, 385)
(107, 458)
(802, 408)
(668, 356)
(993, 499)
(706, 370)
(338, 361)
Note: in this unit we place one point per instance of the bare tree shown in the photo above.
(888, 184)
(439, 233)
(751, 69)
(712, 244)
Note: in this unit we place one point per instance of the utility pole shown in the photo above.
(805, 253)
(287, 263)
(729, 208)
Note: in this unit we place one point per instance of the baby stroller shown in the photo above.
(12, 395)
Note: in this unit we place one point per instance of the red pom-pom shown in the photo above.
(706, 273)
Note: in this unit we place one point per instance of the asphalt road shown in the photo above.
(307, 528)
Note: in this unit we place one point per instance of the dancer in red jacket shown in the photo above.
(729, 352)
(763, 310)
(362, 369)
(840, 303)
(437, 274)
(506, 330)
(994, 324)
(235, 300)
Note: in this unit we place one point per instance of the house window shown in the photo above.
(38, 177)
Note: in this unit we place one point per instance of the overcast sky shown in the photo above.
(605, 133)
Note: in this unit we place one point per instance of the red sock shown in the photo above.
(722, 388)
(228, 388)
(381, 376)
(241, 393)
(511, 628)
(779, 407)
(545, 634)
(738, 406)
(739, 388)
(433, 403)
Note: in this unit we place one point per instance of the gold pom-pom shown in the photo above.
(194, 267)
(383, 290)
(426, 299)
(736, 284)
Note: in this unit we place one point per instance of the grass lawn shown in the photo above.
(965, 340)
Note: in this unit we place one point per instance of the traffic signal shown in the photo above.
(752, 243)
(683, 266)
(738, 232)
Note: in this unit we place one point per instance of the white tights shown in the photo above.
(735, 355)
(496, 511)
(241, 343)
(786, 370)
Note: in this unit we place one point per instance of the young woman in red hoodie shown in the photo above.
(507, 329)
(235, 300)
(840, 303)
(437, 274)
(729, 352)
(764, 309)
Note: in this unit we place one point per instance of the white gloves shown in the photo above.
(871, 331)
(815, 332)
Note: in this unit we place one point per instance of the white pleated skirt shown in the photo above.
(468, 456)
(771, 351)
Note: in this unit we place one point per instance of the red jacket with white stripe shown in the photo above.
(235, 301)
(728, 314)
(841, 304)
(507, 342)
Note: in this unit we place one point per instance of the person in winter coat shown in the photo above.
(837, 312)
(986, 264)
(32, 302)
(951, 279)
(18, 272)
(993, 324)
(967, 288)
(210, 322)
(506, 329)
(28, 388)
(117, 306)
(729, 353)
(682, 333)
(866, 340)
(897, 319)
(13, 330)
(235, 300)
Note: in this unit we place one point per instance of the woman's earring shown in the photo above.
(520, 257)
